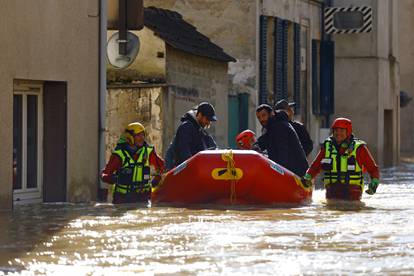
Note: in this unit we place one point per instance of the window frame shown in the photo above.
(30, 195)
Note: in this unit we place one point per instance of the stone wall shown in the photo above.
(135, 103)
(308, 15)
(231, 24)
(193, 79)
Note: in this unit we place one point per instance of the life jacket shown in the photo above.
(133, 176)
(342, 168)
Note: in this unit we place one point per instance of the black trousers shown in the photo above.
(119, 198)
(343, 191)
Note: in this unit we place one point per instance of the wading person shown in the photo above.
(130, 165)
(191, 136)
(343, 158)
(301, 131)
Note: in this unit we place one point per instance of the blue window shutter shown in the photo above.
(285, 25)
(281, 59)
(315, 78)
(327, 55)
(278, 62)
(263, 60)
(296, 67)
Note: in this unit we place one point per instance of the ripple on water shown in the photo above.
(320, 239)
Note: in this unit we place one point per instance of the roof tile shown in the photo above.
(178, 33)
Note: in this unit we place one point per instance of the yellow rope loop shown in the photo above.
(231, 169)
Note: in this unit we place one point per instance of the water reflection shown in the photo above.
(376, 237)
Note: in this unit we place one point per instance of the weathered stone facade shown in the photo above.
(184, 80)
(234, 25)
(135, 103)
(231, 25)
(193, 79)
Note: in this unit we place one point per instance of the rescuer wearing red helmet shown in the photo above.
(246, 140)
(344, 158)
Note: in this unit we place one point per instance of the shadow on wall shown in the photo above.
(405, 99)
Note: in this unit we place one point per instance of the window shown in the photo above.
(27, 118)
(345, 20)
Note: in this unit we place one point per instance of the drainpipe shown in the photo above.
(259, 12)
(326, 3)
(102, 91)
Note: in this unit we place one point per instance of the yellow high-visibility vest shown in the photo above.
(342, 168)
(133, 176)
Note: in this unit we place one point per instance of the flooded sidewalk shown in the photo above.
(317, 239)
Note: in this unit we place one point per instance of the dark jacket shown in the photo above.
(170, 153)
(190, 138)
(283, 145)
(304, 137)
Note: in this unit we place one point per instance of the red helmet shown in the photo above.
(246, 139)
(343, 123)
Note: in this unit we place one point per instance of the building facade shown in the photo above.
(176, 68)
(367, 79)
(406, 40)
(282, 51)
(261, 35)
(49, 101)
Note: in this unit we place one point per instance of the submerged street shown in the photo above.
(230, 115)
(58, 239)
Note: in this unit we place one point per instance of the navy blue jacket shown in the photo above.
(283, 145)
(190, 139)
(304, 137)
(169, 155)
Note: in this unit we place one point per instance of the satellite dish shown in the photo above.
(112, 50)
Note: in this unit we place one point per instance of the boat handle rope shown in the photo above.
(231, 169)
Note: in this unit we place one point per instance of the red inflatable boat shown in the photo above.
(240, 177)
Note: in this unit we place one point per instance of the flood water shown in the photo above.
(97, 239)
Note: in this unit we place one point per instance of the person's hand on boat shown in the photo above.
(372, 186)
(307, 180)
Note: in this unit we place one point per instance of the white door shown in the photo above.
(27, 146)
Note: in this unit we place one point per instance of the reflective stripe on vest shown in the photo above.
(345, 167)
(139, 182)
